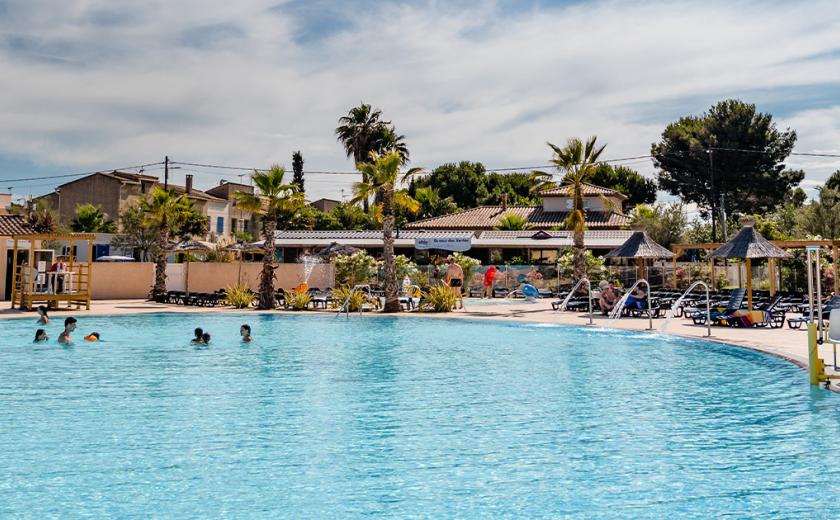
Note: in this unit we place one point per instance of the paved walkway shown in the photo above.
(785, 343)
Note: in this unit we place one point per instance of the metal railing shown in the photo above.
(616, 311)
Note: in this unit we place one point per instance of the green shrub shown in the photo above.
(340, 295)
(297, 301)
(239, 296)
(354, 269)
(405, 267)
(440, 298)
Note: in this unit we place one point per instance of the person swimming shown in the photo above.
(69, 326)
(40, 335)
(245, 332)
(92, 337)
(197, 338)
(43, 319)
(205, 338)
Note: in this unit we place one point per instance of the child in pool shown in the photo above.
(92, 337)
(40, 335)
(245, 332)
(43, 319)
(205, 338)
(69, 326)
(197, 339)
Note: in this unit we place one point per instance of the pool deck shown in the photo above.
(785, 343)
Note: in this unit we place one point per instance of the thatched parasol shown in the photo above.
(746, 245)
(336, 249)
(191, 245)
(640, 246)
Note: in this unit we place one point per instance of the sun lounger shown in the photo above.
(719, 316)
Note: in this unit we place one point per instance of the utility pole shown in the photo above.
(166, 173)
(723, 216)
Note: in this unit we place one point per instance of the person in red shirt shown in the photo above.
(489, 281)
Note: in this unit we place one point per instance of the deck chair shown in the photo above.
(833, 303)
(772, 315)
(719, 316)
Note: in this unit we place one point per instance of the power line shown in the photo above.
(63, 176)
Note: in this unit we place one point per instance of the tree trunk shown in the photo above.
(579, 254)
(358, 157)
(160, 262)
(392, 301)
(266, 298)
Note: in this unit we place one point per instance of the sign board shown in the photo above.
(445, 243)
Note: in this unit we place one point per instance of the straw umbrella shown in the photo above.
(336, 249)
(640, 246)
(746, 245)
(190, 246)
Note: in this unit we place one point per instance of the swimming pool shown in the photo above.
(330, 417)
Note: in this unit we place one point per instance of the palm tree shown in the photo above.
(358, 131)
(275, 198)
(165, 212)
(91, 219)
(512, 222)
(381, 176)
(387, 139)
(577, 162)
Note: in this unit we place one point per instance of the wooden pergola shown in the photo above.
(772, 264)
(31, 286)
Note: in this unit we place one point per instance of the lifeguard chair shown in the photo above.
(38, 284)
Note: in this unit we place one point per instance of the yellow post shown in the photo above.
(816, 367)
(771, 272)
(14, 273)
(749, 285)
(89, 273)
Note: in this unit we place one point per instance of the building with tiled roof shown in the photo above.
(603, 209)
(115, 191)
(11, 225)
(607, 228)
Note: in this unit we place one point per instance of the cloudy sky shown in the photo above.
(101, 84)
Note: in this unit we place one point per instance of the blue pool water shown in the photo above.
(323, 417)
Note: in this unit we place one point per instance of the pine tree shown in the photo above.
(297, 169)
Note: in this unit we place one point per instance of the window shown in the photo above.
(233, 223)
(246, 225)
(570, 204)
(220, 224)
(585, 203)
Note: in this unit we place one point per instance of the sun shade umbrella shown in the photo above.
(746, 245)
(336, 249)
(191, 246)
(640, 246)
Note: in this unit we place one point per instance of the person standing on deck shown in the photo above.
(489, 281)
(455, 280)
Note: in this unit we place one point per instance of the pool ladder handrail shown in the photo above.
(680, 300)
(565, 302)
(345, 307)
(616, 311)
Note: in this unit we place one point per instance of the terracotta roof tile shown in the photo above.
(487, 217)
(589, 190)
(14, 225)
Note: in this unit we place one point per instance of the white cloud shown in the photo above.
(86, 83)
